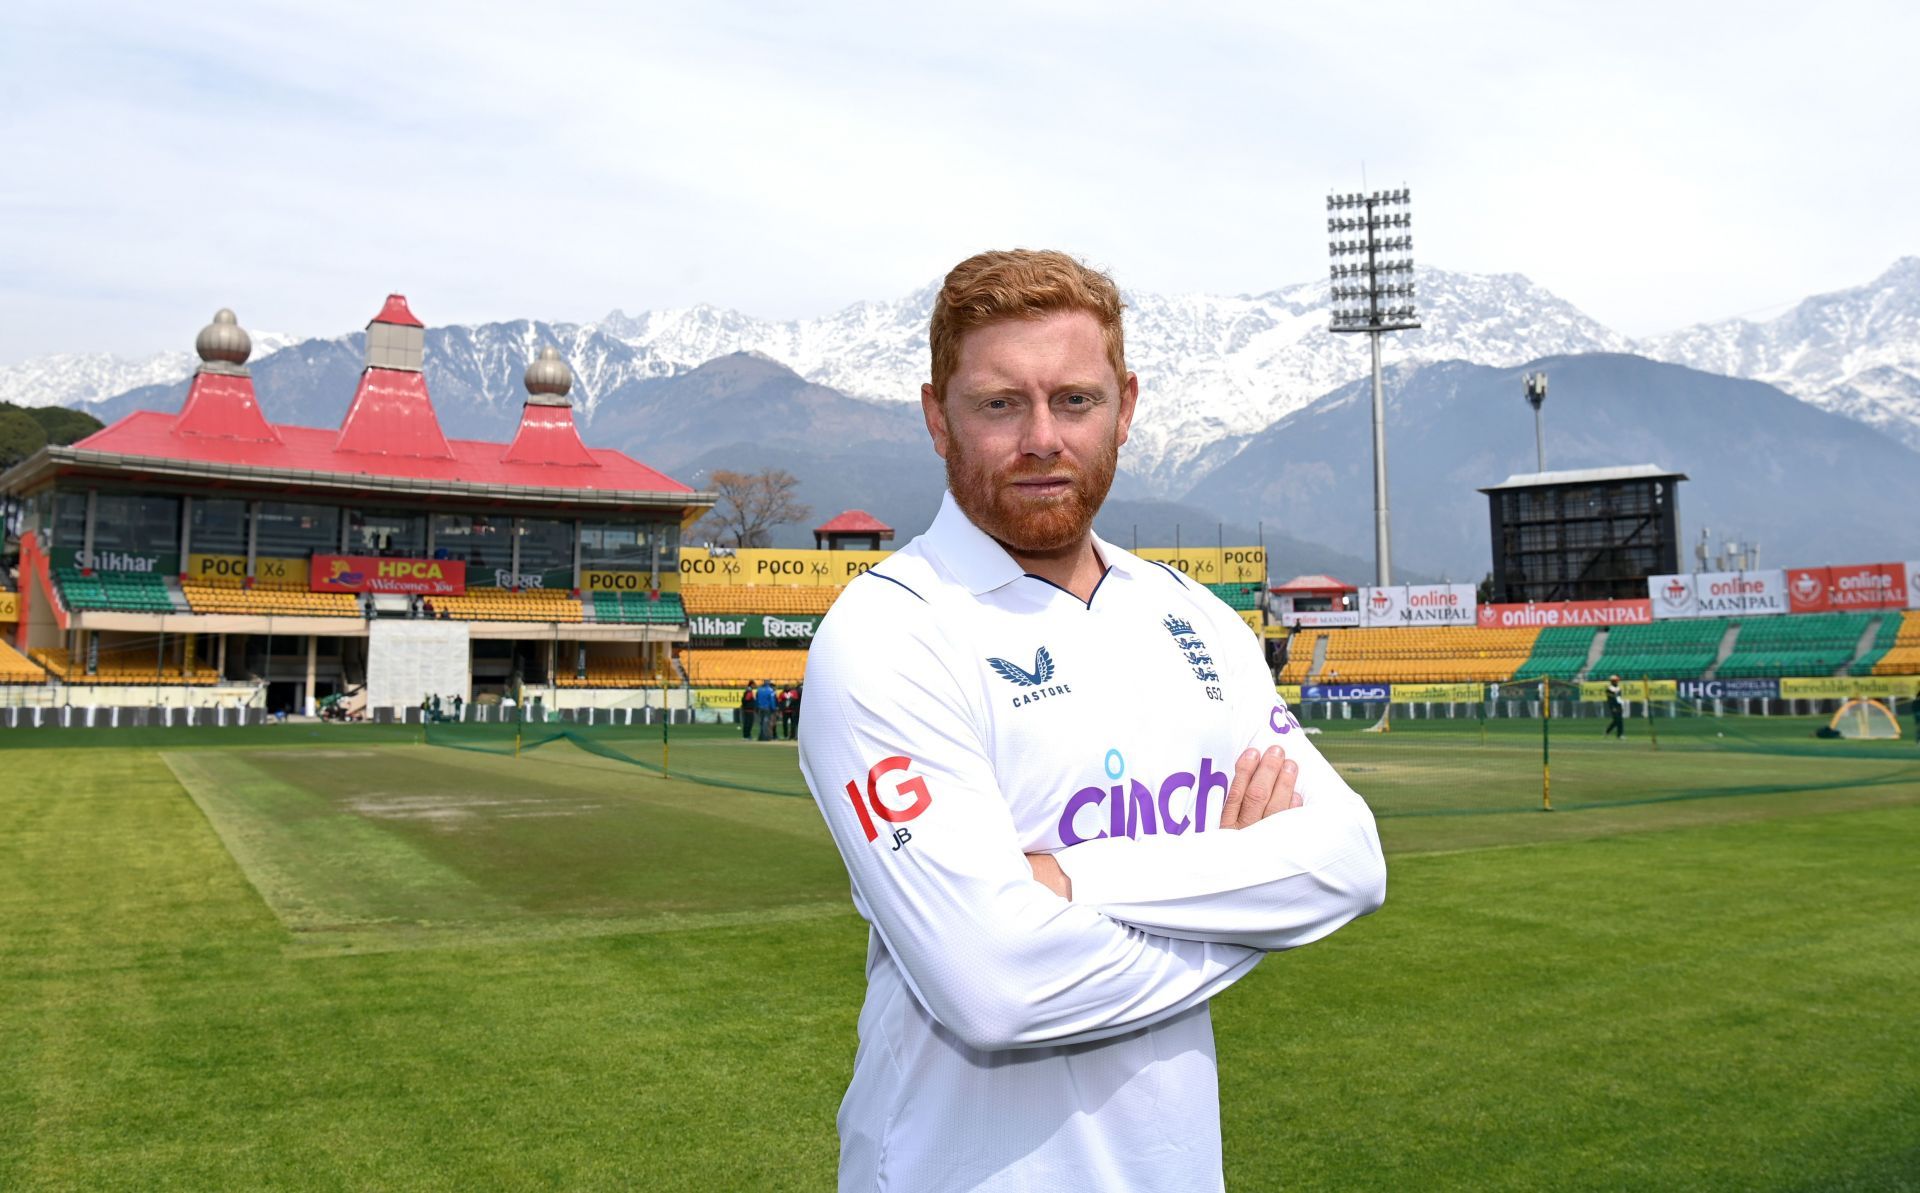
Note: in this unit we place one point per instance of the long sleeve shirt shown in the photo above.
(961, 714)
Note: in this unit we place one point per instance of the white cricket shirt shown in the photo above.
(960, 714)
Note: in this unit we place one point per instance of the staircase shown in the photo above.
(1594, 652)
(1726, 648)
(1319, 658)
(1864, 647)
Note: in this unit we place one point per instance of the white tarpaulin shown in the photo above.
(1718, 594)
(1418, 604)
(408, 661)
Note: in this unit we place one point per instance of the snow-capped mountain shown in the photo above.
(1214, 370)
(1211, 368)
(80, 378)
(1855, 352)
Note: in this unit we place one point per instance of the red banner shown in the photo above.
(1566, 613)
(1847, 589)
(368, 573)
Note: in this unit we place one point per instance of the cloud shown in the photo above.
(1656, 165)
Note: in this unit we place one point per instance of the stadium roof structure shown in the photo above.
(389, 441)
(1318, 584)
(854, 522)
(1585, 476)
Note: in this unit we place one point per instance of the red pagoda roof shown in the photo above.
(396, 311)
(1317, 583)
(222, 406)
(392, 415)
(150, 433)
(547, 436)
(854, 522)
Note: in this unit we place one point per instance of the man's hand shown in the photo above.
(1262, 785)
(1048, 873)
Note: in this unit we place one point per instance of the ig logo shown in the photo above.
(913, 786)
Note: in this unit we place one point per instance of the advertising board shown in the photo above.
(9, 607)
(1565, 613)
(266, 569)
(1213, 565)
(751, 625)
(1289, 692)
(368, 573)
(1313, 618)
(716, 697)
(1729, 689)
(1439, 693)
(1256, 620)
(1718, 594)
(1418, 605)
(1347, 691)
(1846, 687)
(1595, 690)
(149, 563)
(768, 565)
(1849, 589)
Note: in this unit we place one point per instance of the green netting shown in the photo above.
(712, 755)
(1460, 765)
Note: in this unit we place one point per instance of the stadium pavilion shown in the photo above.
(213, 545)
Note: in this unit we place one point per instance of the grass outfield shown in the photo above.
(327, 958)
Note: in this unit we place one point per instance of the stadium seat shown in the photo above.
(1426, 654)
(1903, 657)
(129, 665)
(114, 592)
(1240, 596)
(758, 598)
(732, 668)
(266, 600)
(1662, 650)
(639, 608)
(504, 604)
(1560, 652)
(1808, 644)
(17, 668)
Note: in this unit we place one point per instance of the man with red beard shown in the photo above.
(1071, 804)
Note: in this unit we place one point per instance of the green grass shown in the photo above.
(338, 960)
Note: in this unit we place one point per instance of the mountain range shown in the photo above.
(832, 399)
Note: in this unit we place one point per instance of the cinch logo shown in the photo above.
(1134, 809)
(913, 785)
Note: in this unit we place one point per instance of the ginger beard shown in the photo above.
(1031, 524)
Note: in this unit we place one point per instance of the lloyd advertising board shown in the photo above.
(1718, 594)
(1417, 605)
(1729, 689)
(1347, 692)
(1860, 586)
(1565, 613)
(368, 573)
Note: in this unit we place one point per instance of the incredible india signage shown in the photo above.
(367, 573)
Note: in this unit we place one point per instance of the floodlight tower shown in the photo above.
(1536, 398)
(1369, 237)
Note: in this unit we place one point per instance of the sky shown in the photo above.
(1657, 165)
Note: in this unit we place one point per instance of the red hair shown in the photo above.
(1020, 284)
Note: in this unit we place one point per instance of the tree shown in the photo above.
(20, 436)
(751, 504)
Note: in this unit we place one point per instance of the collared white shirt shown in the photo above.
(962, 713)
